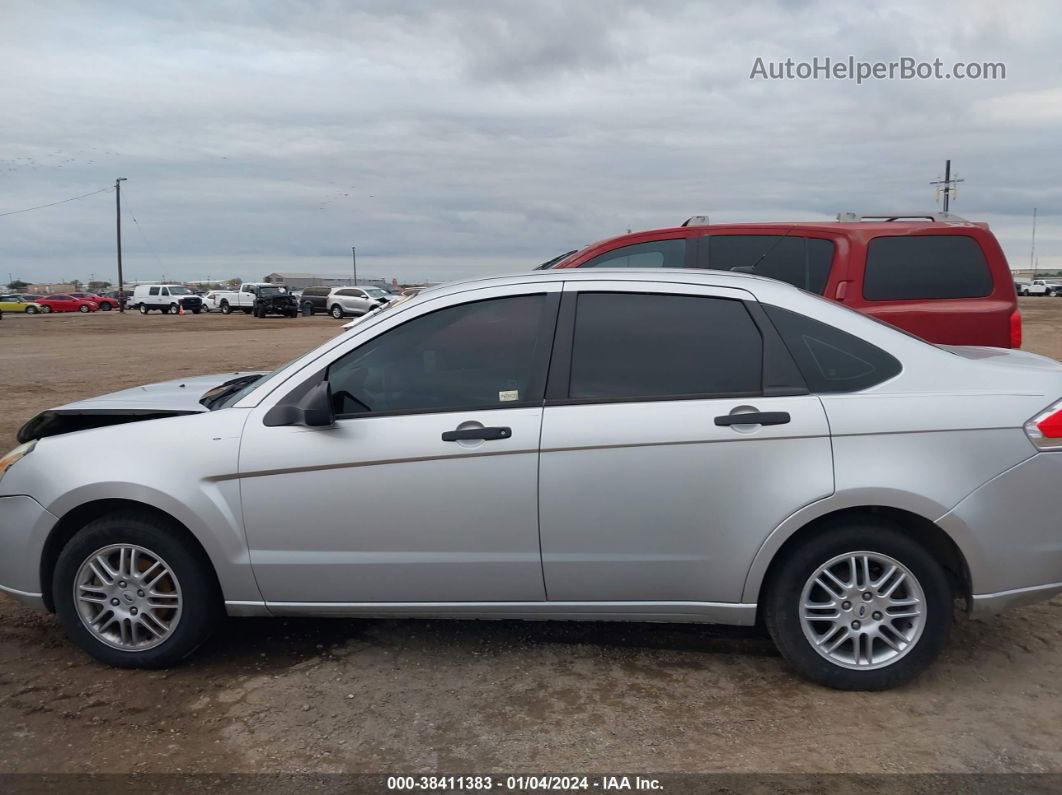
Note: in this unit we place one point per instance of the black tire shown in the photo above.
(172, 309)
(336, 311)
(105, 307)
(83, 308)
(196, 311)
(31, 310)
(225, 308)
(142, 308)
(201, 608)
(47, 310)
(307, 308)
(247, 310)
(784, 594)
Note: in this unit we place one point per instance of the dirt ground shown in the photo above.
(411, 696)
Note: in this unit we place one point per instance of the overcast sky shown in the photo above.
(453, 138)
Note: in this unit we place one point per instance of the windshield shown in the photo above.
(180, 291)
(551, 262)
(375, 292)
(271, 290)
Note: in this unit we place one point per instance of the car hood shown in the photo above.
(151, 401)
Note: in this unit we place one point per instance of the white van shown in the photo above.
(167, 298)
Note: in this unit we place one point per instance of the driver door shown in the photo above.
(425, 487)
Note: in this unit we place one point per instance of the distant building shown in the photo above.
(298, 281)
(47, 289)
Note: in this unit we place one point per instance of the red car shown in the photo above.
(63, 302)
(106, 304)
(938, 276)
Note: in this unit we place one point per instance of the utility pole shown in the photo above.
(354, 256)
(948, 182)
(118, 226)
(1033, 263)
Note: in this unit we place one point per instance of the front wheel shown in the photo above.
(860, 606)
(337, 312)
(132, 592)
(46, 309)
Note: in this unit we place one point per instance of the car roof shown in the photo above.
(698, 276)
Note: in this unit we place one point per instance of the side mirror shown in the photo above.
(313, 409)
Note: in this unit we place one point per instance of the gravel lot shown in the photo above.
(405, 696)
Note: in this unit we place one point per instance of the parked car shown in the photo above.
(15, 303)
(314, 300)
(937, 275)
(62, 302)
(743, 451)
(355, 301)
(244, 298)
(275, 300)
(210, 301)
(166, 298)
(105, 303)
(1037, 287)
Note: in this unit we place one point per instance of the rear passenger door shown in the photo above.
(651, 488)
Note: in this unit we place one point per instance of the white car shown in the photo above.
(211, 301)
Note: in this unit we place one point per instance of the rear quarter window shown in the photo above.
(922, 267)
(831, 360)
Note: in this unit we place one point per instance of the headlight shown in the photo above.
(22, 450)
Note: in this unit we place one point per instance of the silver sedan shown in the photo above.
(632, 445)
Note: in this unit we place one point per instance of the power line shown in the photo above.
(52, 204)
(140, 230)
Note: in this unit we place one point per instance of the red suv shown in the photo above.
(938, 276)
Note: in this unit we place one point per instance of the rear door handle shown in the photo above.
(754, 418)
(477, 433)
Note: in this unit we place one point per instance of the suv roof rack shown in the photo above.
(851, 217)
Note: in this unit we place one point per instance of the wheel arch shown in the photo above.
(76, 518)
(919, 528)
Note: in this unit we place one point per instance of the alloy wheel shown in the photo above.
(128, 597)
(862, 610)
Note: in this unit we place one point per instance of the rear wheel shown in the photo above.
(134, 593)
(307, 308)
(105, 307)
(83, 308)
(337, 311)
(859, 607)
(31, 310)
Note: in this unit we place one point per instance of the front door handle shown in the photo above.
(477, 433)
(754, 418)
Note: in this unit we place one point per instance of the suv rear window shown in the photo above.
(831, 360)
(637, 345)
(925, 267)
(803, 262)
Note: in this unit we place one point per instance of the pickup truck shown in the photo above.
(243, 298)
(1040, 287)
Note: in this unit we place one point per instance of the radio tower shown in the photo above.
(950, 185)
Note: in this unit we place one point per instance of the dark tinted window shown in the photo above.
(318, 291)
(478, 355)
(801, 261)
(153, 291)
(639, 345)
(831, 360)
(656, 254)
(925, 266)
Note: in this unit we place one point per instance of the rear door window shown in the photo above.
(636, 345)
(919, 267)
(153, 291)
(655, 254)
(803, 262)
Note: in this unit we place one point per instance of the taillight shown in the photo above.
(1015, 328)
(1045, 429)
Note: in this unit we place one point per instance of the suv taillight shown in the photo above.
(1015, 328)
(1045, 429)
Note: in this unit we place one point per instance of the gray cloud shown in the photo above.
(450, 139)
